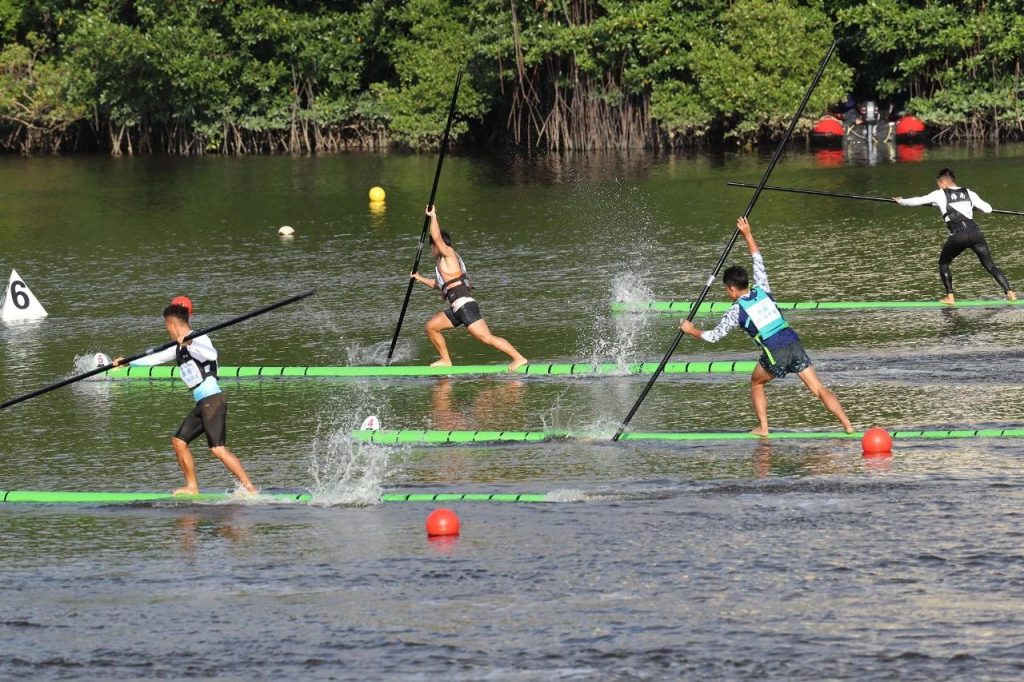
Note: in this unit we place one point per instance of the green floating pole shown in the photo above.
(120, 498)
(675, 307)
(433, 437)
(402, 371)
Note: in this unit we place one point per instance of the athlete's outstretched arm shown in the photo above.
(930, 199)
(729, 321)
(978, 202)
(743, 225)
(435, 234)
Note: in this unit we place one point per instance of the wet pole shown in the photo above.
(151, 351)
(426, 219)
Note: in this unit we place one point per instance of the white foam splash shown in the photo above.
(566, 495)
(345, 471)
(87, 363)
(375, 354)
(630, 287)
(616, 338)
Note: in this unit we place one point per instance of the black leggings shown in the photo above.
(209, 415)
(958, 242)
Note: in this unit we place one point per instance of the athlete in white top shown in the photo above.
(957, 204)
(197, 365)
(451, 278)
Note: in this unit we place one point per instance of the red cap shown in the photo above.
(184, 302)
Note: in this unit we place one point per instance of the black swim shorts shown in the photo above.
(209, 415)
(790, 358)
(467, 314)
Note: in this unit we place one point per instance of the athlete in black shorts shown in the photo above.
(754, 309)
(957, 204)
(451, 277)
(197, 366)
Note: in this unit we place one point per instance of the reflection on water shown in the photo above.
(195, 530)
(487, 405)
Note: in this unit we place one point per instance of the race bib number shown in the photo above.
(190, 374)
(764, 313)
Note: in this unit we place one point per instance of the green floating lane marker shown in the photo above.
(393, 371)
(683, 307)
(75, 497)
(430, 437)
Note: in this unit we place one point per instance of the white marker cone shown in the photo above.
(371, 423)
(19, 303)
(100, 360)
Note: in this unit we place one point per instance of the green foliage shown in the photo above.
(960, 62)
(188, 76)
(429, 41)
(35, 105)
(10, 20)
(752, 73)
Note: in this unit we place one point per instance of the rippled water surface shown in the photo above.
(788, 559)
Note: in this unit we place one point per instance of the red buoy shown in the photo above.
(876, 441)
(909, 126)
(442, 522)
(828, 126)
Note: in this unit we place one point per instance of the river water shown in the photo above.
(796, 560)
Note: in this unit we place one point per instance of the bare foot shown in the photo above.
(441, 363)
(948, 299)
(848, 428)
(760, 432)
(186, 490)
(517, 363)
(1010, 296)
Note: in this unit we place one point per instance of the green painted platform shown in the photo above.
(435, 437)
(683, 307)
(411, 371)
(115, 498)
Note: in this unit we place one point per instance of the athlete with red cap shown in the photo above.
(197, 366)
(184, 301)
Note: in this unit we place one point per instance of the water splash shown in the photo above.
(631, 288)
(345, 471)
(376, 354)
(89, 362)
(566, 495)
(617, 338)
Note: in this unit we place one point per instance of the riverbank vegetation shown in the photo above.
(304, 76)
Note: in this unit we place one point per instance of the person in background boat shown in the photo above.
(451, 278)
(754, 309)
(957, 204)
(197, 365)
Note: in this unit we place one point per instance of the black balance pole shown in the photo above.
(842, 195)
(732, 241)
(426, 219)
(150, 351)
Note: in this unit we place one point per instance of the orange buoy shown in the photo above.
(442, 522)
(876, 441)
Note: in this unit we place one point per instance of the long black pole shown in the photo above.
(150, 351)
(426, 219)
(732, 241)
(841, 195)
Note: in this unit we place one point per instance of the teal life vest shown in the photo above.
(760, 317)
